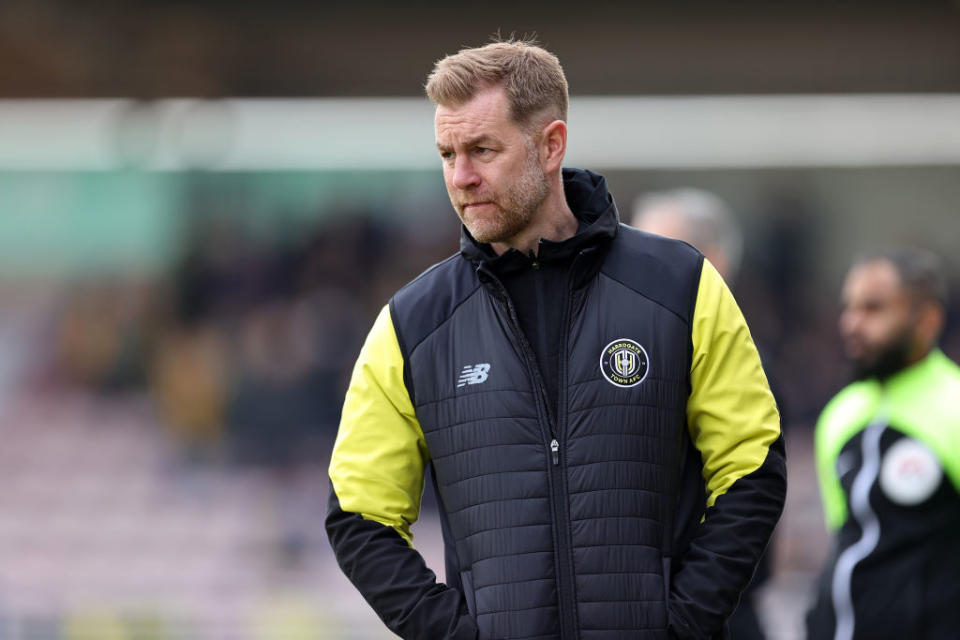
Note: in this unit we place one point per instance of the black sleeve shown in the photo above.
(393, 577)
(726, 549)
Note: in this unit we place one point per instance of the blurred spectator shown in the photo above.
(697, 217)
(272, 413)
(277, 317)
(800, 334)
(101, 337)
(189, 377)
(888, 460)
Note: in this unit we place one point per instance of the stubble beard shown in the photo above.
(517, 206)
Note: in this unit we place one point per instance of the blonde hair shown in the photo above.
(530, 75)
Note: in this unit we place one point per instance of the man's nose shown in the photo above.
(464, 173)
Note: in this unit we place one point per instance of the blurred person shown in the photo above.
(279, 415)
(101, 334)
(604, 445)
(704, 220)
(189, 378)
(698, 217)
(269, 412)
(888, 456)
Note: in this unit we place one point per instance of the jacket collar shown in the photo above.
(591, 202)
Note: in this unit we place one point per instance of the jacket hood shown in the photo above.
(591, 202)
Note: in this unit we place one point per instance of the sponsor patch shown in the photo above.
(910, 473)
(624, 363)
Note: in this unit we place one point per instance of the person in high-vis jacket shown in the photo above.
(605, 448)
(888, 457)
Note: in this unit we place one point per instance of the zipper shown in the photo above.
(565, 570)
(862, 512)
(556, 472)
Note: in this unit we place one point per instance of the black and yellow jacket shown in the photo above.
(632, 500)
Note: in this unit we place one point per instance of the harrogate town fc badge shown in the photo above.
(624, 363)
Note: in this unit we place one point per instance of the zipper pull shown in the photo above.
(533, 261)
(555, 450)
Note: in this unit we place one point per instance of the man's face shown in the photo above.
(877, 320)
(490, 165)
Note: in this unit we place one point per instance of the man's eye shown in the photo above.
(446, 155)
(482, 150)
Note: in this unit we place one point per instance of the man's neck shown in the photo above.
(920, 353)
(555, 222)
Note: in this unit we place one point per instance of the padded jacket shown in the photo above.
(636, 506)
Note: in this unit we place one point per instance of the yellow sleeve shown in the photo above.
(731, 413)
(379, 455)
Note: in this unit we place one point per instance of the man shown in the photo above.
(697, 217)
(703, 220)
(888, 456)
(605, 449)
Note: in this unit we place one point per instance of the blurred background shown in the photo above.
(204, 204)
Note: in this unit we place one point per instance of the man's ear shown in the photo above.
(929, 323)
(553, 145)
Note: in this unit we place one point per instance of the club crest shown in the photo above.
(624, 363)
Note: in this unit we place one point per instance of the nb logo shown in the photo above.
(473, 374)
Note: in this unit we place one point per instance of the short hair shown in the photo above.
(707, 219)
(530, 75)
(921, 272)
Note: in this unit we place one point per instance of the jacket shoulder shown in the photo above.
(854, 398)
(664, 270)
(430, 299)
(844, 415)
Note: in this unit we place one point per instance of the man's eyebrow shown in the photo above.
(480, 140)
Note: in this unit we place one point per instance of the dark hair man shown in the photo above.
(605, 448)
(888, 457)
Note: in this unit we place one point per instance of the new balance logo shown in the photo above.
(473, 374)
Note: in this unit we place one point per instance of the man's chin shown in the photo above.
(860, 370)
(881, 367)
(483, 235)
(886, 360)
(480, 230)
(488, 233)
